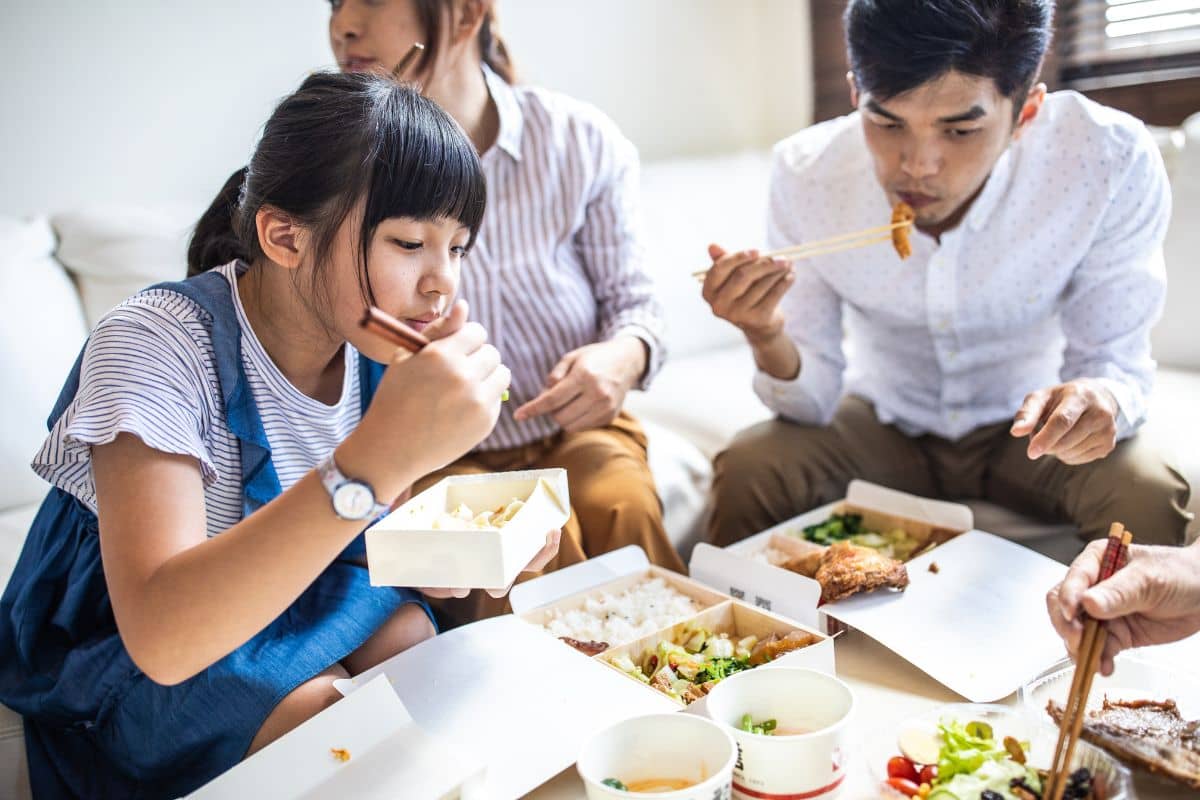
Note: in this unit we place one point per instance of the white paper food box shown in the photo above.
(526, 703)
(405, 549)
(976, 622)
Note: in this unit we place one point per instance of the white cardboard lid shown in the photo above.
(556, 585)
(390, 756)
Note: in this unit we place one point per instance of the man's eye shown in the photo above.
(888, 125)
(406, 244)
(962, 133)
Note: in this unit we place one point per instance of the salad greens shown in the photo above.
(764, 728)
(897, 544)
(971, 762)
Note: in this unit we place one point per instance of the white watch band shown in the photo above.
(352, 499)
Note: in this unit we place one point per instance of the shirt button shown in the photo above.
(954, 416)
(951, 354)
(943, 325)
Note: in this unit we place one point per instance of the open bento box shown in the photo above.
(510, 690)
(973, 613)
(468, 531)
(670, 633)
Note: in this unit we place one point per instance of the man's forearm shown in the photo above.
(776, 355)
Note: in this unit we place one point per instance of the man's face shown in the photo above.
(934, 146)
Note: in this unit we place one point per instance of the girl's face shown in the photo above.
(373, 35)
(414, 269)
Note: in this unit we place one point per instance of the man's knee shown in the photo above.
(1145, 494)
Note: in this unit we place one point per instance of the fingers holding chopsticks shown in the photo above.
(745, 288)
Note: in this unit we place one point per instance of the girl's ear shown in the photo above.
(469, 15)
(282, 240)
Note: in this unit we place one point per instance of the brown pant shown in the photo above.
(613, 502)
(776, 470)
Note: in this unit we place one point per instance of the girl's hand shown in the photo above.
(587, 388)
(745, 288)
(429, 409)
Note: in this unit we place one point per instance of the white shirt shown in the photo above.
(150, 369)
(558, 261)
(1055, 273)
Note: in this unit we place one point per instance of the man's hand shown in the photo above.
(587, 388)
(1076, 422)
(745, 288)
(1155, 599)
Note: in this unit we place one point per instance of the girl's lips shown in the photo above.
(417, 324)
(358, 64)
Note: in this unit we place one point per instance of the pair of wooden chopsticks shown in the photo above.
(395, 332)
(1095, 635)
(834, 244)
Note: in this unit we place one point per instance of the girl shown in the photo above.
(556, 277)
(193, 584)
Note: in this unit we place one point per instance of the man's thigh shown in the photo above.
(1134, 485)
(777, 469)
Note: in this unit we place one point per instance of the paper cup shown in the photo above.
(656, 747)
(786, 766)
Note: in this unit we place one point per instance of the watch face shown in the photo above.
(353, 500)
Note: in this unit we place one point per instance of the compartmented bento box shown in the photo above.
(468, 531)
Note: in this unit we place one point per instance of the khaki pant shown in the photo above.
(776, 470)
(614, 502)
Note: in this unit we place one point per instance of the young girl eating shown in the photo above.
(194, 581)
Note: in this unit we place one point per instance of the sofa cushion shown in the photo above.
(41, 331)
(115, 251)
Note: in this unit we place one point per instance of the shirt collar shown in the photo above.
(512, 118)
(993, 191)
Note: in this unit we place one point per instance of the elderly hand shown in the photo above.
(1076, 422)
(1154, 599)
(587, 388)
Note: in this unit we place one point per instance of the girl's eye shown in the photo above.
(459, 251)
(406, 244)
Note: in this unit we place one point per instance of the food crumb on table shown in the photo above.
(340, 754)
(933, 567)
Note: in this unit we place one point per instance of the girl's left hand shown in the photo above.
(587, 388)
(539, 562)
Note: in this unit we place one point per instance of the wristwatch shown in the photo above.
(352, 499)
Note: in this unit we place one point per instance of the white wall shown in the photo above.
(149, 102)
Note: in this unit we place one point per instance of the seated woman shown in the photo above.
(556, 277)
(193, 583)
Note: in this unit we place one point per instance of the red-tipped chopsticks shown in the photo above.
(1091, 647)
(387, 327)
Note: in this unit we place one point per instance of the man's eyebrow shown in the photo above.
(974, 112)
(875, 108)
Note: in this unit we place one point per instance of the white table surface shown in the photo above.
(888, 690)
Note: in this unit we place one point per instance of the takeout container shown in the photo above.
(1112, 779)
(811, 764)
(534, 600)
(738, 570)
(403, 549)
(660, 746)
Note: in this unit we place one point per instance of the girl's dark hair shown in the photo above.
(433, 14)
(898, 45)
(338, 141)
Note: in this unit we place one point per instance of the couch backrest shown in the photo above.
(1177, 336)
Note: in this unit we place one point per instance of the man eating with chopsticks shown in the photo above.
(1008, 357)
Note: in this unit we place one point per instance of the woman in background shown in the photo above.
(556, 275)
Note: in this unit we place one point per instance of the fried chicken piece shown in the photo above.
(902, 213)
(773, 647)
(806, 565)
(848, 569)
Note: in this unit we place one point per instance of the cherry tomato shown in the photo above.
(901, 767)
(928, 774)
(904, 786)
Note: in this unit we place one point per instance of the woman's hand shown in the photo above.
(587, 388)
(429, 409)
(1154, 599)
(537, 564)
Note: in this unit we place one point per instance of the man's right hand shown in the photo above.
(1154, 599)
(745, 288)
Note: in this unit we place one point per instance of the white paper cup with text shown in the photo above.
(677, 756)
(804, 756)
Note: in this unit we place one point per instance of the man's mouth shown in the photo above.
(916, 199)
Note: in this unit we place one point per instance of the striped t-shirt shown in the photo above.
(150, 370)
(558, 263)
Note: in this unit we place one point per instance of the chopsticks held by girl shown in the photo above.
(194, 581)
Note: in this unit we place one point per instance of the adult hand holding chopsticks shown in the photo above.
(745, 289)
(1155, 599)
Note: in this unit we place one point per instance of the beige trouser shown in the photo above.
(614, 502)
(776, 470)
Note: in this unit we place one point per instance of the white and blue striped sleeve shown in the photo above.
(146, 372)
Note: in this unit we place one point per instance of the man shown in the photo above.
(1008, 358)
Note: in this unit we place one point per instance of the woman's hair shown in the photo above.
(338, 142)
(433, 14)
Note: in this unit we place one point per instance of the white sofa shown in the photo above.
(58, 276)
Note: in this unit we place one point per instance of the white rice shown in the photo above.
(770, 555)
(638, 611)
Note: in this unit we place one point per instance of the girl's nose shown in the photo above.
(345, 22)
(440, 276)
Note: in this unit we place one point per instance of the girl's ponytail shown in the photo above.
(216, 240)
(494, 51)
